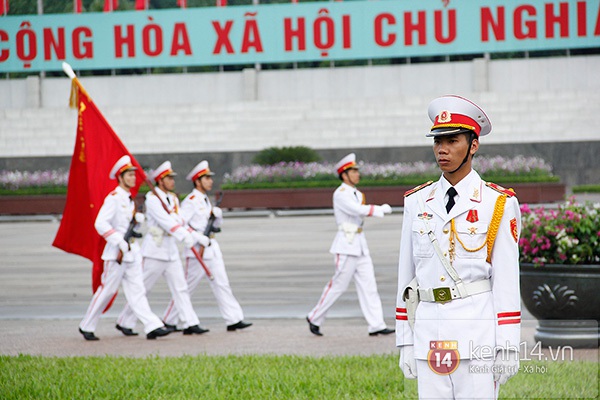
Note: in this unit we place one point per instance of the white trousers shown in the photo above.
(131, 276)
(361, 269)
(230, 309)
(173, 273)
(473, 379)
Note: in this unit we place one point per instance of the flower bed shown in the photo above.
(569, 234)
(303, 185)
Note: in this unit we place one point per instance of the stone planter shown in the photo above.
(32, 205)
(283, 198)
(393, 195)
(566, 301)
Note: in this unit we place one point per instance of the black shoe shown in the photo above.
(126, 331)
(194, 329)
(172, 328)
(88, 335)
(239, 325)
(385, 331)
(313, 328)
(162, 331)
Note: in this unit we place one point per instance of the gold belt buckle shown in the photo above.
(442, 295)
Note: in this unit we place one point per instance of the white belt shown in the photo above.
(445, 294)
(358, 230)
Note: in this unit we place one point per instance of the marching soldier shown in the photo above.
(122, 260)
(160, 252)
(197, 210)
(351, 253)
(459, 268)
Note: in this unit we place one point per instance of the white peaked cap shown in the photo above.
(345, 163)
(123, 164)
(453, 114)
(163, 170)
(199, 170)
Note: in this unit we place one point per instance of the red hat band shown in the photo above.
(124, 168)
(447, 120)
(200, 174)
(346, 166)
(163, 174)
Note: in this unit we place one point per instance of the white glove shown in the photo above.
(188, 240)
(123, 246)
(140, 218)
(386, 208)
(506, 365)
(408, 364)
(200, 239)
(217, 212)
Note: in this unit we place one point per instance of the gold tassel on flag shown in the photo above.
(74, 98)
(76, 88)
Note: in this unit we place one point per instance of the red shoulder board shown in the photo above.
(416, 189)
(498, 188)
(113, 192)
(192, 197)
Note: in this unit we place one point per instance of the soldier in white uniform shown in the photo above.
(196, 210)
(160, 252)
(351, 253)
(459, 268)
(112, 223)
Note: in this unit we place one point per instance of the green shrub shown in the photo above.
(586, 189)
(274, 155)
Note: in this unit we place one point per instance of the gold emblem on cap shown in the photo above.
(444, 116)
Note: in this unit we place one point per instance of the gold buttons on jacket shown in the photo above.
(446, 230)
(442, 278)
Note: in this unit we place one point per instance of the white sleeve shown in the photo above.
(349, 206)
(406, 273)
(102, 223)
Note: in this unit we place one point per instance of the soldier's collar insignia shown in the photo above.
(431, 195)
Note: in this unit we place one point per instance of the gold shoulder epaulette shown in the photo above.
(416, 189)
(113, 192)
(498, 188)
(192, 197)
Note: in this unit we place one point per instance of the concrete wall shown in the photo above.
(544, 107)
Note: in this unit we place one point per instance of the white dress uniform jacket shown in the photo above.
(164, 230)
(490, 319)
(349, 212)
(195, 210)
(112, 222)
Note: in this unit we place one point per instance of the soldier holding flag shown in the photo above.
(111, 223)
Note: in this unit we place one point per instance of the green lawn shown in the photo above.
(257, 377)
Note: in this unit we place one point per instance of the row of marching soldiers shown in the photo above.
(138, 268)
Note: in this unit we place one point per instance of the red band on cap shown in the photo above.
(124, 168)
(163, 174)
(346, 166)
(200, 174)
(458, 121)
